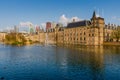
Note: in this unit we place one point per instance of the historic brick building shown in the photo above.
(109, 31)
(86, 32)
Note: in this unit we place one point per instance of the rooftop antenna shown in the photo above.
(98, 12)
(95, 8)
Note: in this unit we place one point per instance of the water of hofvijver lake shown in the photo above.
(38, 62)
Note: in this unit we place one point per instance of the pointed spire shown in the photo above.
(94, 14)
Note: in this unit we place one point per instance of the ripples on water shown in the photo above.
(38, 62)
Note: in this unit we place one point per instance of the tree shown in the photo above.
(116, 34)
(16, 39)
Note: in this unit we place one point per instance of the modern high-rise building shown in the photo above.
(16, 29)
(48, 25)
(37, 28)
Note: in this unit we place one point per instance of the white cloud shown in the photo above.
(75, 18)
(25, 24)
(97, 15)
(64, 20)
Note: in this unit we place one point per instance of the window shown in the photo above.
(80, 38)
(89, 34)
(84, 38)
(84, 33)
(74, 39)
(77, 39)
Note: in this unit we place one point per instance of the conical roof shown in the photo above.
(94, 14)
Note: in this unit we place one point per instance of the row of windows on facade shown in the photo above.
(77, 34)
(91, 30)
(70, 35)
(81, 39)
(111, 27)
(53, 29)
(109, 34)
(75, 39)
(62, 29)
(71, 38)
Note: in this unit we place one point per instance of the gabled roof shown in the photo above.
(79, 24)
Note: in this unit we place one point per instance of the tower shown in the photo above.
(94, 19)
(16, 29)
(98, 22)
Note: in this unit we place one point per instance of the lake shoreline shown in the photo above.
(111, 44)
(63, 45)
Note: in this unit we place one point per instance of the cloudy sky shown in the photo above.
(37, 12)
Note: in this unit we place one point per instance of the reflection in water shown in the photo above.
(38, 62)
(89, 59)
(97, 63)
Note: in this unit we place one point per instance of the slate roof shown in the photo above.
(79, 24)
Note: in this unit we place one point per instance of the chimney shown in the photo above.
(73, 20)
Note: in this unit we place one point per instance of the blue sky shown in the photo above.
(13, 12)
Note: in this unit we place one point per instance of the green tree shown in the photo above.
(116, 34)
(14, 38)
